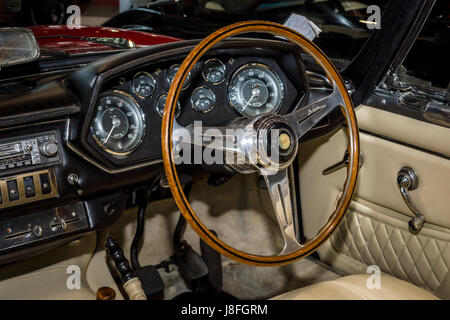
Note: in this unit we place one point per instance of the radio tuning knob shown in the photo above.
(49, 148)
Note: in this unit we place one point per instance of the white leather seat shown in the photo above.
(355, 287)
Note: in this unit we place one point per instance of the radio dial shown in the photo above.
(49, 149)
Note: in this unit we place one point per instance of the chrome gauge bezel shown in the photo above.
(139, 113)
(268, 70)
(133, 88)
(193, 104)
(156, 106)
(186, 83)
(224, 71)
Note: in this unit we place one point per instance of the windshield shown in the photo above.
(64, 28)
(68, 28)
(345, 25)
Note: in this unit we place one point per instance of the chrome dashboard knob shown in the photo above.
(49, 149)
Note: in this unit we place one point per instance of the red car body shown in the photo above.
(59, 37)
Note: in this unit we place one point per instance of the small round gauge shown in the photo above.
(173, 71)
(161, 104)
(213, 71)
(255, 89)
(143, 84)
(203, 99)
(118, 125)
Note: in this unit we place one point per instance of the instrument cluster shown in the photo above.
(126, 109)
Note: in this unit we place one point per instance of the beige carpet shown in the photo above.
(241, 213)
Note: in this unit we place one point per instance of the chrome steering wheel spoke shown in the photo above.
(278, 185)
(222, 139)
(305, 118)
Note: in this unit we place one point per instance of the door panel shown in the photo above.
(375, 230)
(407, 130)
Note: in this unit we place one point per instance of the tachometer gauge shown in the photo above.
(143, 84)
(118, 125)
(213, 71)
(203, 99)
(173, 71)
(255, 89)
(161, 104)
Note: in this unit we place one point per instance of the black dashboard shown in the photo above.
(207, 100)
(75, 149)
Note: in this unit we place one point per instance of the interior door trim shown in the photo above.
(410, 132)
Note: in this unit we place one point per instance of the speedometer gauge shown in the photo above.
(255, 89)
(118, 125)
(143, 84)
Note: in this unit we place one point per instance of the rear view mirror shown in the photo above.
(17, 45)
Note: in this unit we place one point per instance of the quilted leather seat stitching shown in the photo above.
(427, 267)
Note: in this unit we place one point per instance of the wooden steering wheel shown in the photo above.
(293, 126)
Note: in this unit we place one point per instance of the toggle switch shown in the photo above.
(28, 184)
(46, 187)
(13, 190)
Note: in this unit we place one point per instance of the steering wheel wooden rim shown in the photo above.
(167, 147)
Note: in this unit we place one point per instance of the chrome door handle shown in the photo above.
(342, 164)
(407, 180)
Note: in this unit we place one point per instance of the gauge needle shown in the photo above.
(114, 125)
(255, 93)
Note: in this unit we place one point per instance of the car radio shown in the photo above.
(28, 151)
(38, 153)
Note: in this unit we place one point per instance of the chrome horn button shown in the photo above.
(268, 143)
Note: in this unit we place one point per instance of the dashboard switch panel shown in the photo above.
(30, 228)
(28, 187)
